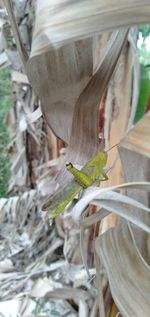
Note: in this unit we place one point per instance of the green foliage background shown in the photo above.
(144, 92)
(144, 59)
(5, 104)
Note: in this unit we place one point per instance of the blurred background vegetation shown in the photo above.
(5, 104)
(144, 59)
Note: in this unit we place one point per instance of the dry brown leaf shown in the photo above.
(68, 293)
(58, 64)
(74, 20)
(66, 72)
(22, 52)
(129, 283)
(85, 118)
(52, 41)
(58, 108)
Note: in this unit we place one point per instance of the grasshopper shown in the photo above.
(83, 178)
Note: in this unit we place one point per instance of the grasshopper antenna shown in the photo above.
(113, 146)
(115, 160)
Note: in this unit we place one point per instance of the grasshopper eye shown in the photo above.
(69, 164)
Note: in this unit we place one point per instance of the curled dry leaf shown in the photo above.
(74, 106)
(65, 72)
(129, 283)
(73, 20)
(98, 197)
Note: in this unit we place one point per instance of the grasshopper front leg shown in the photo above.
(99, 180)
(105, 177)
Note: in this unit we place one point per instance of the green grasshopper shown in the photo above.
(83, 178)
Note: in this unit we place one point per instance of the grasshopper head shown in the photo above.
(69, 166)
